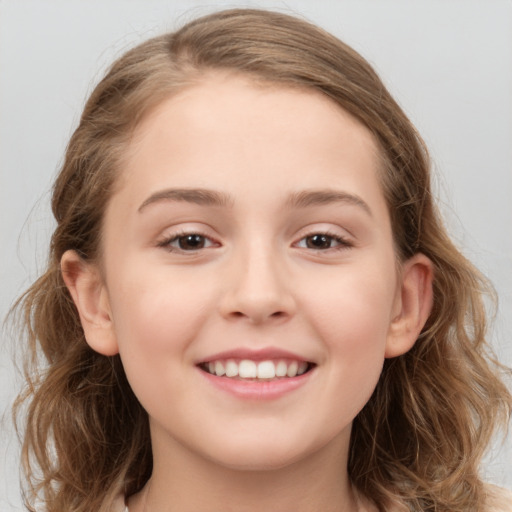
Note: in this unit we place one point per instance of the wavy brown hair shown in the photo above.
(418, 442)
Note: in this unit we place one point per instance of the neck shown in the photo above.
(183, 482)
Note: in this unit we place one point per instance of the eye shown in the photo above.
(323, 241)
(187, 242)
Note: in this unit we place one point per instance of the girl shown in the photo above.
(251, 302)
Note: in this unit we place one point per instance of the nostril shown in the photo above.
(259, 316)
(256, 307)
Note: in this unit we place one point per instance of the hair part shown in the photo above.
(419, 440)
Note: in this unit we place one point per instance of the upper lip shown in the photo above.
(263, 354)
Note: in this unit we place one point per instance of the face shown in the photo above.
(249, 279)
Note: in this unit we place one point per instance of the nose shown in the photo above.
(258, 289)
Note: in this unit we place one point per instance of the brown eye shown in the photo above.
(191, 242)
(187, 242)
(319, 241)
(323, 242)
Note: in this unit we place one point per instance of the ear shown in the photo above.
(412, 307)
(89, 293)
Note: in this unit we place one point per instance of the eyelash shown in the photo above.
(342, 242)
(175, 237)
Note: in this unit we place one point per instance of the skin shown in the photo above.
(258, 282)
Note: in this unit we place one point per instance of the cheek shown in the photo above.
(155, 321)
(155, 311)
(354, 304)
(352, 313)
(156, 328)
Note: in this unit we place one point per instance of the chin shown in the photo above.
(264, 455)
(257, 463)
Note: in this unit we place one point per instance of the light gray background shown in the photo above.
(448, 62)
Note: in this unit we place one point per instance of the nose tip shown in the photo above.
(259, 313)
(258, 293)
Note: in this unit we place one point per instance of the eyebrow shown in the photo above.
(206, 197)
(203, 197)
(309, 198)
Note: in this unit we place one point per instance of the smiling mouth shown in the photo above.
(246, 369)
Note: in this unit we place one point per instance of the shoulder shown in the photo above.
(498, 499)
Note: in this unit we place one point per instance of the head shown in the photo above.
(424, 390)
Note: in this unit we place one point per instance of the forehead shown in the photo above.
(220, 99)
(232, 130)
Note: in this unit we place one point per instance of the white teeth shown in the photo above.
(281, 369)
(292, 369)
(303, 366)
(247, 369)
(219, 369)
(266, 370)
(231, 369)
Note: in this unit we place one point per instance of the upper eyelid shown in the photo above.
(342, 240)
(324, 228)
(176, 231)
(167, 238)
(172, 234)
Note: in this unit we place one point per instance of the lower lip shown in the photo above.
(257, 390)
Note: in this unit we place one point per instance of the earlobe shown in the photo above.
(90, 296)
(413, 305)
